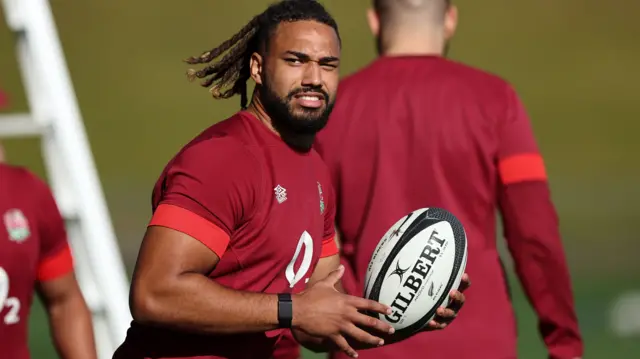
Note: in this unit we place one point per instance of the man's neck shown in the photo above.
(410, 51)
(256, 109)
(412, 43)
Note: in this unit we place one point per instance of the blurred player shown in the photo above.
(241, 247)
(34, 254)
(414, 129)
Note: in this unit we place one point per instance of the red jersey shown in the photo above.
(264, 209)
(423, 131)
(33, 247)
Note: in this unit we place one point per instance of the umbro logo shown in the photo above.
(281, 193)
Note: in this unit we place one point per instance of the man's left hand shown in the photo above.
(444, 316)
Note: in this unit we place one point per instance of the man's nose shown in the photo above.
(312, 75)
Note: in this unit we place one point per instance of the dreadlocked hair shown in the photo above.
(228, 75)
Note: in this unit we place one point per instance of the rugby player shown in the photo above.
(35, 258)
(414, 129)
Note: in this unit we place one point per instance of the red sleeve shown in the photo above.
(208, 192)
(55, 255)
(519, 159)
(329, 245)
(532, 232)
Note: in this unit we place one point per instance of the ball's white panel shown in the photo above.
(384, 248)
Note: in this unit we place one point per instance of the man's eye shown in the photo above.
(293, 61)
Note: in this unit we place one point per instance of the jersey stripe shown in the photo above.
(329, 247)
(56, 265)
(521, 168)
(187, 222)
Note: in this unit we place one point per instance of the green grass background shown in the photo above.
(574, 62)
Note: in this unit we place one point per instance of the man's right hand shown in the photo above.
(322, 311)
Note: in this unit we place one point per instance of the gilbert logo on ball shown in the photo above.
(17, 225)
(414, 267)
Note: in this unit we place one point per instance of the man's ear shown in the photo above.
(450, 22)
(374, 22)
(256, 66)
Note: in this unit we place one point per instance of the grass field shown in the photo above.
(574, 63)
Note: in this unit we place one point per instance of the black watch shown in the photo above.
(285, 310)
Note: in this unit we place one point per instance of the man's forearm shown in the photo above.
(71, 328)
(531, 228)
(194, 303)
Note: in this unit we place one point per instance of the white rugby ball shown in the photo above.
(414, 267)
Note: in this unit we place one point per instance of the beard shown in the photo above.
(296, 128)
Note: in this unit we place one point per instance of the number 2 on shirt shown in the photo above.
(8, 302)
(294, 277)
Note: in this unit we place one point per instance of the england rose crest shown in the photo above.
(17, 225)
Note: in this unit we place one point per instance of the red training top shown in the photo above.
(422, 131)
(33, 247)
(264, 209)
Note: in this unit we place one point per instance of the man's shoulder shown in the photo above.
(443, 68)
(228, 132)
(21, 187)
(214, 161)
(210, 156)
(214, 156)
(19, 177)
(13, 171)
(474, 74)
(224, 141)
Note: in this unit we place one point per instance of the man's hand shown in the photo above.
(444, 316)
(323, 312)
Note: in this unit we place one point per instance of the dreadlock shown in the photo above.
(228, 76)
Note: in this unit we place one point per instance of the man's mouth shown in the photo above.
(310, 99)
